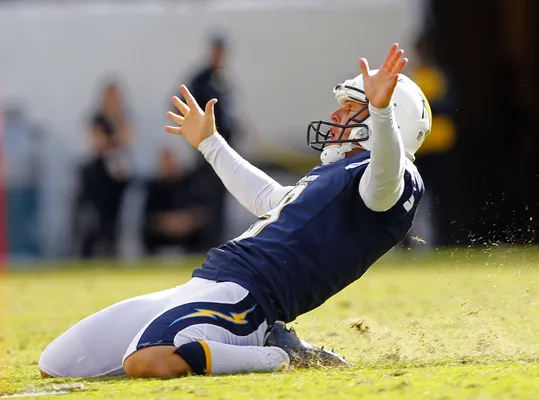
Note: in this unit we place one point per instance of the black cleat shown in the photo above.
(301, 353)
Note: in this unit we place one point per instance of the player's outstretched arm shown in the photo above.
(254, 189)
(382, 184)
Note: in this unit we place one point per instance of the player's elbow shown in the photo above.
(378, 201)
(381, 198)
(380, 205)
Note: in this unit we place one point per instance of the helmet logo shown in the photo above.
(420, 135)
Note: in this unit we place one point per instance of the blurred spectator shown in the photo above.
(174, 217)
(104, 178)
(435, 159)
(213, 81)
(22, 142)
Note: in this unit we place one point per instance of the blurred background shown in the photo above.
(87, 171)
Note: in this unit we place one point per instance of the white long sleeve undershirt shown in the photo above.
(382, 183)
(380, 187)
(254, 189)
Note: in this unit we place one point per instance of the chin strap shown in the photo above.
(336, 152)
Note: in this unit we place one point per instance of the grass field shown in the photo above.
(460, 324)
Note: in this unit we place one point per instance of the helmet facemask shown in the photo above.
(321, 130)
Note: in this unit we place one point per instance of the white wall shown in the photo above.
(285, 60)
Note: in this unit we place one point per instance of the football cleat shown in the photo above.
(301, 353)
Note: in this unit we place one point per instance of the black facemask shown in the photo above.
(319, 132)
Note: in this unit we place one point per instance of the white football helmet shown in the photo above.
(412, 114)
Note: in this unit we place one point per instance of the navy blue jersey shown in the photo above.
(318, 240)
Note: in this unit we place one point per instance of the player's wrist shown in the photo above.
(213, 141)
(382, 111)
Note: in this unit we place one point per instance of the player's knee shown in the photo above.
(65, 357)
(155, 362)
(44, 374)
(51, 363)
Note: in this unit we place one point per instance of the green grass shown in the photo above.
(458, 324)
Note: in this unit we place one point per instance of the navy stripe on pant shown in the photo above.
(241, 319)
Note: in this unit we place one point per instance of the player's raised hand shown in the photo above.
(194, 124)
(379, 86)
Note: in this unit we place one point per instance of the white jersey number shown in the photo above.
(274, 214)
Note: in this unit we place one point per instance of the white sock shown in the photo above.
(231, 359)
(220, 358)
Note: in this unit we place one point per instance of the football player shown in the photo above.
(310, 241)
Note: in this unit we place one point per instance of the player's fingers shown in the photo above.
(393, 82)
(176, 130)
(191, 102)
(176, 118)
(364, 66)
(180, 105)
(400, 66)
(394, 61)
(390, 55)
(209, 107)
